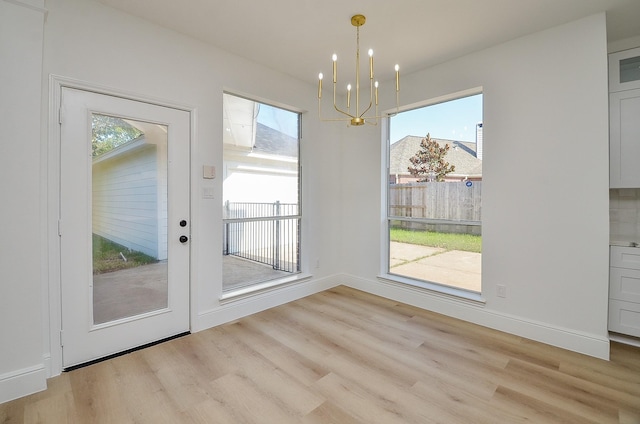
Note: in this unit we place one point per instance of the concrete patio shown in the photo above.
(138, 290)
(453, 268)
(134, 291)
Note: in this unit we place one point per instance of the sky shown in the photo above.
(452, 120)
(279, 119)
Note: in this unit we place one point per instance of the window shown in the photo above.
(435, 194)
(261, 196)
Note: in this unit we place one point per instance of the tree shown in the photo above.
(428, 162)
(109, 132)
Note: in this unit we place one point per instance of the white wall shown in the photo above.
(545, 173)
(21, 253)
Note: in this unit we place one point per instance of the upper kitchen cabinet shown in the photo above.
(624, 119)
(624, 70)
(624, 139)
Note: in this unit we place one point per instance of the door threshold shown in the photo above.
(124, 352)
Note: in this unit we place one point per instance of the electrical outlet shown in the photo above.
(317, 263)
(502, 290)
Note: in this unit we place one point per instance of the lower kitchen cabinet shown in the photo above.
(624, 291)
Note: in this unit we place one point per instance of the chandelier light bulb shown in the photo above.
(376, 93)
(335, 67)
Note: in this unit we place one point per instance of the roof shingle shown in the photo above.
(461, 154)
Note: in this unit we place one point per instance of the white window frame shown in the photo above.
(384, 275)
(302, 274)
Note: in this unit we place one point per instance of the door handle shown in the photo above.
(184, 239)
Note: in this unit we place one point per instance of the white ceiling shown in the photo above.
(298, 37)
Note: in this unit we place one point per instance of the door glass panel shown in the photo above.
(129, 217)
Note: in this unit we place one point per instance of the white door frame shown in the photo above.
(51, 305)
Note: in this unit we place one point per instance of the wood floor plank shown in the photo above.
(582, 390)
(535, 410)
(555, 390)
(363, 405)
(343, 356)
(463, 403)
(250, 403)
(266, 376)
(185, 385)
(143, 394)
(329, 413)
(97, 394)
(393, 331)
(54, 409)
(212, 410)
(299, 367)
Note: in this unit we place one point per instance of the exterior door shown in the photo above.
(124, 224)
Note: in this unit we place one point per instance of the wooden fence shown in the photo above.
(458, 205)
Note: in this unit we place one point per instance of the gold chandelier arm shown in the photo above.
(366, 110)
(342, 111)
(370, 98)
(335, 105)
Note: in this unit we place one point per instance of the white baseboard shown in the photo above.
(588, 344)
(623, 338)
(231, 310)
(22, 382)
(46, 362)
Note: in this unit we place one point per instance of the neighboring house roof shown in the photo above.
(273, 142)
(461, 154)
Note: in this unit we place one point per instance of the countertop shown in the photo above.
(624, 243)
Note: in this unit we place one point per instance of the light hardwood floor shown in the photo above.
(343, 356)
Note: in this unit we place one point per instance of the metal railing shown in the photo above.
(267, 233)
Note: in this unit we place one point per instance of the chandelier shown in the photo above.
(357, 117)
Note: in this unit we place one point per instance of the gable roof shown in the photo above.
(273, 142)
(461, 154)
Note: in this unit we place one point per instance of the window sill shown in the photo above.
(439, 290)
(260, 288)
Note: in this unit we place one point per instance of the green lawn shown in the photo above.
(464, 242)
(107, 258)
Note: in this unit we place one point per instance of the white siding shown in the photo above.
(129, 201)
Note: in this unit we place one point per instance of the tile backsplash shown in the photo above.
(624, 214)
